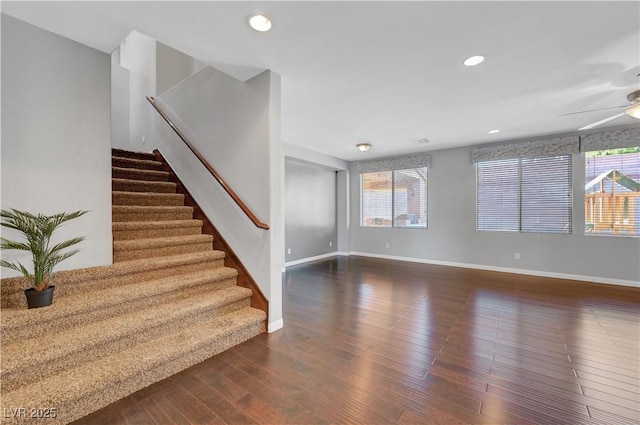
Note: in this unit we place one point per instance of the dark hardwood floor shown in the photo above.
(370, 341)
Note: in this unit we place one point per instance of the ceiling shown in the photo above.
(391, 73)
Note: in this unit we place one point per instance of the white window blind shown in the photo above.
(525, 195)
(498, 195)
(395, 198)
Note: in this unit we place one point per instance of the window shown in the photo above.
(394, 198)
(530, 195)
(612, 192)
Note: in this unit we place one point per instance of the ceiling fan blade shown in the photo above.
(597, 123)
(593, 110)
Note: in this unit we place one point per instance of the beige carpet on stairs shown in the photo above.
(165, 304)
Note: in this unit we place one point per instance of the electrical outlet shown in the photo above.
(516, 256)
(330, 244)
(387, 245)
(288, 250)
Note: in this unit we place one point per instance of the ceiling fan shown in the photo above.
(633, 109)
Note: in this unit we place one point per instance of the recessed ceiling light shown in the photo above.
(494, 131)
(260, 23)
(474, 60)
(363, 147)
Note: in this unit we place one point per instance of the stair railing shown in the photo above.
(254, 219)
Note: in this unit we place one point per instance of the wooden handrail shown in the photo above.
(254, 219)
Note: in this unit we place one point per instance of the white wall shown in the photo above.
(236, 126)
(173, 66)
(452, 239)
(120, 106)
(138, 54)
(56, 135)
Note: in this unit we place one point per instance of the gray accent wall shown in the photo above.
(452, 238)
(311, 226)
(56, 147)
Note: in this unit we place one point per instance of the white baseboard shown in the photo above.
(309, 259)
(274, 326)
(594, 279)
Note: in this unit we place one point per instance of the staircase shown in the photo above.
(165, 304)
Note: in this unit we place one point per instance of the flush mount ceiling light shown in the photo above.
(363, 147)
(474, 60)
(260, 23)
(494, 131)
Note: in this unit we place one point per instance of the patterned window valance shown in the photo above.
(396, 163)
(534, 148)
(624, 138)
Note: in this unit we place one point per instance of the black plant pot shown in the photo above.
(37, 299)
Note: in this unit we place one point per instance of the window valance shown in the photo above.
(624, 138)
(395, 163)
(535, 148)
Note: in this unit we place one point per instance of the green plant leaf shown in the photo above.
(37, 231)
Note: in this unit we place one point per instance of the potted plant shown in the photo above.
(37, 231)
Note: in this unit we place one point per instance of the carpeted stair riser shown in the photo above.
(146, 364)
(129, 185)
(160, 247)
(121, 213)
(134, 174)
(132, 230)
(51, 354)
(139, 164)
(147, 199)
(109, 303)
(74, 282)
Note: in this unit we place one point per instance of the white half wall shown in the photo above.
(236, 126)
(55, 145)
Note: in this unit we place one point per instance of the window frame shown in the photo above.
(393, 219)
(626, 204)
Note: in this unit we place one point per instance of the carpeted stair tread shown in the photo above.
(150, 213)
(71, 282)
(54, 352)
(121, 153)
(161, 242)
(130, 185)
(147, 198)
(135, 174)
(160, 247)
(128, 230)
(75, 309)
(141, 164)
(132, 369)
